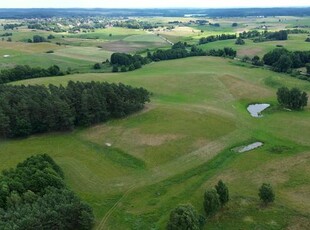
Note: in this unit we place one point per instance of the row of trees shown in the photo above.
(125, 62)
(293, 98)
(35, 196)
(226, 52)
(265, 35)
(214, 38)
(185, 217)
(22, 72)
(6, 34)
(283, 60)
(182, 50)
(272, 36)
(25, 110)
(11, 26)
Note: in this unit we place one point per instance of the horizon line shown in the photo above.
(162, 8)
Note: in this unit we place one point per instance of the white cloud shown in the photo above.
(149, 3)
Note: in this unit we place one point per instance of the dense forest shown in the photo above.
(35, 196)
(25, 110)
(22, 72)
(282, 60)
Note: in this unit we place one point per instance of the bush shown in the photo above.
(239, 41)
(123, 69)
(97, 66)
(50, 36)
(184, 217)
(34, 196)
(266, 193)
(115, 69)
(308, 68)
(38, 39)
(50, 51)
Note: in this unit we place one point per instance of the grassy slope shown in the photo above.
(162, 156)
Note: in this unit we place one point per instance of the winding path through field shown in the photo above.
(109, 213)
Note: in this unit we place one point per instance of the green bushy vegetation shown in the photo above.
(133, 171)
(26, 72)
(34, 196)
(292, 99)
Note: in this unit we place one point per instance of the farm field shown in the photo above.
(78, 52)
(180, 145)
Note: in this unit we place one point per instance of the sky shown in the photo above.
(149, 3)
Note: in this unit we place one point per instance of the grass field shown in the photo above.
(181, 145)
(77, 51)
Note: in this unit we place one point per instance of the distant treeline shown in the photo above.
(272, 36)
(127, 62)
(135, 24)
(11, 26)
(26, 110)
(181, 50)
(22, 72)
(283, 60)
(6, 35)
(214, 38)
(235, 12)
(35, 196)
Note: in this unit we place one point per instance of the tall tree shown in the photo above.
(222, 191)
(211, 202)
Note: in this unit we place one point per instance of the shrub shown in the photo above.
(97, 66)
(266, 193)
(184, 217)
(115, 69)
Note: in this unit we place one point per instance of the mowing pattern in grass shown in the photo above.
(180, 146)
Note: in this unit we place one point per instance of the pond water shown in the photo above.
(256, 109)
(249, 147)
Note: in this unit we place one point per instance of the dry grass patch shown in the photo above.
(241, 89)
(29, 47)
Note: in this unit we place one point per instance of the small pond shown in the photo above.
(249, 147)
(256, 109)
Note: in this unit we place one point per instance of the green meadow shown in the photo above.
(180, 145)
